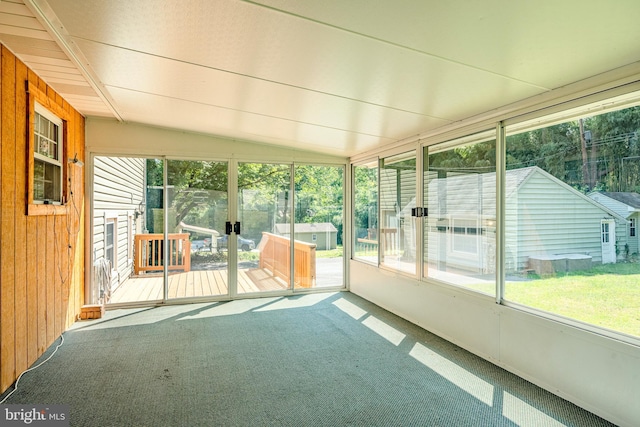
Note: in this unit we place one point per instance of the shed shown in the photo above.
(323, 234)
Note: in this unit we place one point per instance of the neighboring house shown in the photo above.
(627, 205)
(544, 217)
(324, 234)
(118, 203)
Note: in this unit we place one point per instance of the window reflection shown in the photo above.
(460, 229)
(397, 240)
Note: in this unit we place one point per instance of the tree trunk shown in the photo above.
(586, 179)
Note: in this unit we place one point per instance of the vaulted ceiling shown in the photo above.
(333, 76)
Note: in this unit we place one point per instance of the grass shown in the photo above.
(606, 295)
(332, 253)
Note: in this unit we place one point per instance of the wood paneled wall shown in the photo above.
(41, 256)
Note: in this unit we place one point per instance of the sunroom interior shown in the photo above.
(460, 165)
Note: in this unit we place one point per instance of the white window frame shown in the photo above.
(604, 232)
(56, 162)
(453, 235)
(632, 227)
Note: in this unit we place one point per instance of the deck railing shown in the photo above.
(149, 252)
(388, 241)
(275, 257)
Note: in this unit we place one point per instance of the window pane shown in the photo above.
(109, 241)
(264, 209)
(318, 224)
(365, 209)
(46, 181)
(46, 137)
(397, 239)
(460, 229)
(571, 190)
(198, 211)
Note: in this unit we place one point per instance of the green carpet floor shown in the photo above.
(313, 360)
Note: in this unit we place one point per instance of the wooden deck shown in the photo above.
(194, 284)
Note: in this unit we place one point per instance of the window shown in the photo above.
(110, 243)
(460, 195)
(319, 210)
(47, 161)
(365, 212)
(605, 232)
(563, 248)
(47, 157)
(632, 227)
(464, 238)
(397, 198)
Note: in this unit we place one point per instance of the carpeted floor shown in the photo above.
(315, 360)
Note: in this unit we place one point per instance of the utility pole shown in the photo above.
(585, 166)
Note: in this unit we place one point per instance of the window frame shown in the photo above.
(38, 101)
(632, 227)
(40, 111)
(372, 232)
(455, 232)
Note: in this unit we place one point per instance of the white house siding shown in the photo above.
(394, 197)
(548, 218)
(543, 216)
(118, 190)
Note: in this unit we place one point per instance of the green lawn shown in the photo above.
(607, 295)
(332, 253)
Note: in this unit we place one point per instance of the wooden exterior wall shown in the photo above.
(41, 255)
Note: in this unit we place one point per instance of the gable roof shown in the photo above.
(462, 189)
(628, 198)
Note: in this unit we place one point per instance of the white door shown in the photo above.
(608, 240)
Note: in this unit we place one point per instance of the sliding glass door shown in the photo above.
(318, 252)
(197, 258)
(167, 229)
(262, 243)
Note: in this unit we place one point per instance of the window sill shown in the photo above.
(35, 210)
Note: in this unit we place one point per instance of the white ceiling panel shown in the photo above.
(202, 85)
(254, 41)
(334, 76)
(547, 43)
(240, 125)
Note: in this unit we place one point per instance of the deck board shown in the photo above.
(193, 284)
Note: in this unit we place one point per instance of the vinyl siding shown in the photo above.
(548, 219)
(118, 189)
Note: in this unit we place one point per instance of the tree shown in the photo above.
(319, 195)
